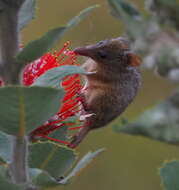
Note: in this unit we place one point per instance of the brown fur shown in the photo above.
(112, 83)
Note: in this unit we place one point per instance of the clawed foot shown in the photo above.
(91, 72)
(83, 117)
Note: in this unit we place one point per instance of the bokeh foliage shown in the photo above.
(155, 37)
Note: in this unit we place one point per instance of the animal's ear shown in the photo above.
(134, 59)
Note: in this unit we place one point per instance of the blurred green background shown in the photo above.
(129, 162)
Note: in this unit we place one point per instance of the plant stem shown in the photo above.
(10, 73)
(9, 43)
(18, 166)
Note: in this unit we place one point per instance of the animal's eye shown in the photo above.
(102, 54)
(101, 43)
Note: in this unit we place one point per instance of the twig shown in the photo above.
(9, 43)
(10, 71)
(18, 166)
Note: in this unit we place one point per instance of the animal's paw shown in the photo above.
(83, 117)
(91, 72)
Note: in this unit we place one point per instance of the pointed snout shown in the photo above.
(84, 51)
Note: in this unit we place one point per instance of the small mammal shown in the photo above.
(112, 82)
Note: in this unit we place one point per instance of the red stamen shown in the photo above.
(46, 129)
(71, 85)
(53, 139)
(74, 128)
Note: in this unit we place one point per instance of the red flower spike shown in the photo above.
(71, 84)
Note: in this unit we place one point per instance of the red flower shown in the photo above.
(71, 84)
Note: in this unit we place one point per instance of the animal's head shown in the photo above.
(113, 52)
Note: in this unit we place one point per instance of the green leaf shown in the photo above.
(122, 9)
(41, 178)
(53, 76)
(51, 157)
(6, 147)
(81, 164)
(26, 13)
(130, 16)
(84, 13)
(39, 47)
(25, 108)
(159, 123)
(7, 185)
(169, 175)
(60, 133)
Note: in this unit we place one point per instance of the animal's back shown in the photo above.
(107, 96)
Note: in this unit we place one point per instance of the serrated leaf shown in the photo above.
(159, 123)
(169, 175)
(6, 147)
(51, 157)
(21, 107)
(53, 76)
(41, 178)
(39, 47)
(7, 185)
(81, 164)
(26, 13)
